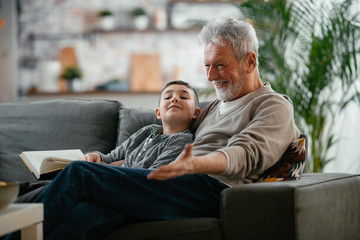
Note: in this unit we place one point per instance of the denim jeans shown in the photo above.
(88, 200)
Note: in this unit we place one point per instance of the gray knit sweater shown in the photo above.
(253, 134)
(149, 148)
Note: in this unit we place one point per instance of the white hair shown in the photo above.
(240, 35)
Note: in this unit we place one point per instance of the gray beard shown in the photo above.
(229, 93)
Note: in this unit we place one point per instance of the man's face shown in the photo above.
(224, 71)
(177, 104)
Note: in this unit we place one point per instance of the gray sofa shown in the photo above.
(318, 206)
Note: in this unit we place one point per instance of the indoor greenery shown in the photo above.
(310, 50)
(139, 11)
(105, 13)
(72, 73)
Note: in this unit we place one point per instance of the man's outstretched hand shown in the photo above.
(184, 164)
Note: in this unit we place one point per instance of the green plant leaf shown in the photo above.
(308, 49)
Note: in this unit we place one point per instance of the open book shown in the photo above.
(44, 162)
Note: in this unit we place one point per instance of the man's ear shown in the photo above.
(250, 62)
(157, 113)
(197, 112)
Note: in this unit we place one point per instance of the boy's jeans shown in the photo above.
(88, 200)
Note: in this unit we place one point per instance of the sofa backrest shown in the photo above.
(90, 125)
(132, 119)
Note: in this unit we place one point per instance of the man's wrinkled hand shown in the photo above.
(183, 165)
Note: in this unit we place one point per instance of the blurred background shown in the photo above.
(127, 50)
(118, 45)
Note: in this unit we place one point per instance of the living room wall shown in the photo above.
(8, 51)
(47, 27)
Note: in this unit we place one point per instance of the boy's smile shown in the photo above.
(172, 106)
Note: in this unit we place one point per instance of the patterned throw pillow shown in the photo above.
(290, 166)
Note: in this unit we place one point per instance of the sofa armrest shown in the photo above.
(318, 206)
(257, 211)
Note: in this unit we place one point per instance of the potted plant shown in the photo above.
(73, 76)
(107, 20)
(105, 13)
(141, 19)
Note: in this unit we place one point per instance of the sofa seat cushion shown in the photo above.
(185, 229)
(90, 125)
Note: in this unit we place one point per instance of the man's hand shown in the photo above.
(92, 157)
(184, 164)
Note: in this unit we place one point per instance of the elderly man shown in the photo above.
(249, 127)
(238, 136)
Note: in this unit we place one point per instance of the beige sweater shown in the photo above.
(253, 134)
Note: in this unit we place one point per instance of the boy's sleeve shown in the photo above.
(172, 148)
(119, 153)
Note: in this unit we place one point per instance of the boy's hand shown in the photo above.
(92, 157)
(118, 163)
(184, 164)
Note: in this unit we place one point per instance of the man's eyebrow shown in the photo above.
(217, 61)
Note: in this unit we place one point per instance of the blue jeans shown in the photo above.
(88, 200)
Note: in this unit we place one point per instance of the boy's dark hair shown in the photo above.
(180, 82)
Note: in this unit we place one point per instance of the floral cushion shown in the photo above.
(290, 166)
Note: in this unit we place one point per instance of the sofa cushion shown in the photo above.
(132, 119)
(290, 166)
(188, 228)
(89, 125)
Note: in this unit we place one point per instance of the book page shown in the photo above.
(37, 156)
(74, 154)
(36, 159)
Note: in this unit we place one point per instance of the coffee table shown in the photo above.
(25, 217)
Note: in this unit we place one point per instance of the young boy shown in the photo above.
(156, 145)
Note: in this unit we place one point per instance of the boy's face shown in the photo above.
(177, 105)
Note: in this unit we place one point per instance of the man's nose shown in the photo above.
(212, 73)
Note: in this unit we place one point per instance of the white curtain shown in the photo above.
(347, 150)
